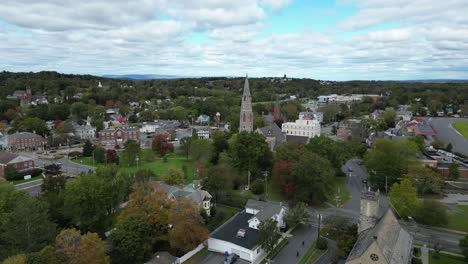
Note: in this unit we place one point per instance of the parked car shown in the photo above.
(350, 169)
(364, 181)
(231, 258)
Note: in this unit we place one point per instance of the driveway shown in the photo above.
(214, 258)
(447, 134)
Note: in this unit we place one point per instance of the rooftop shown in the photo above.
(228, 231)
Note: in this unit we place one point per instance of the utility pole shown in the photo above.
(266, 183)
(386, 190)
(319, 216)
(248, 179)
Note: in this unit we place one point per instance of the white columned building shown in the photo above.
(304, 127)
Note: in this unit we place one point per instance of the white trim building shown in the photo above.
(304, 126)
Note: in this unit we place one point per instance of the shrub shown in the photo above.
(431, 212)
(257, 187)
(416, 261)
(322, 243)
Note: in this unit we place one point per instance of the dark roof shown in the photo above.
(162, 257)
(19, 135)
(273, 131)
(228, 231)
(297, 139)
(424, 129)
(6, 157)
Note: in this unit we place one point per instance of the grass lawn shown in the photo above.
(223, 213)
(444, 259)
(458, 218)
(461, 127)
(158, 166)
(341, 191)
(272, 193)
(311, 255)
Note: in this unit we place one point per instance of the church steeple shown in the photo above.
(246, 114)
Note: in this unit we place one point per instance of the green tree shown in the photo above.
(425, 179)
(74, 248)
(88, 149)
(185, 146)
(404, 198)
(10, 172)
(389, 161)
(249, 151)
(464, 246)
(16, 259)
(218, 179)
(220, 144)
(314, 179)
(268, 235)
(337, 152)
(33, 124)
(431, 212)
(28, 227)
(297, 215)
(389, 118)
(449, 147)
(131, 152)
(454, 173)
(79, 110)
(99, 155)
(103, 192)
(44, 256)
(174, 176)
(52, 188)
(201, 149)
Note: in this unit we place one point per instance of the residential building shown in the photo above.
(21, 163)
(118, 136)
(345, 99)
(85, 132)
(153, 127)
(304, 126)
(273, 134)
(163, 257)
(312, 115)
(240, 234)
(404, 115)
(381, 239)
(192, 192)
(203, 119)
(441, 164)
(203, 132)
(26, 141)
(246, 114)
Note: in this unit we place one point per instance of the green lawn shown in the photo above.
(158, 166)
(223, 213)
(461, 127)
(311, 255)
(341, 191)
(444, 259)
(458, 218)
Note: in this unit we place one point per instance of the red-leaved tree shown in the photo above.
(161, 144)
(282, 178)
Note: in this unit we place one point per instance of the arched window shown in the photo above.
(243, 117)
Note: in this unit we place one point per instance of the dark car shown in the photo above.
(364, 181)
(350, 169)
(231, 258)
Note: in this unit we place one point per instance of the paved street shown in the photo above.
(288, 254)
(214, 258)
(33, 188)
(447, 134)
(429, 236)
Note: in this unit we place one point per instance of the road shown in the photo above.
(447, 134)
(213, 258)
(33, 188)
(430, 236)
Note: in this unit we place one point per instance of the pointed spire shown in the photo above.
(246, 87)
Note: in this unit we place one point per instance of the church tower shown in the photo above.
(246, 114)
(369, 210)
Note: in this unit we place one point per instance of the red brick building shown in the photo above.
(20, 162)
(118, 136)
(26, 141)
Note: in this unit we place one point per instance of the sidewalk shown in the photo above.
(425, 255)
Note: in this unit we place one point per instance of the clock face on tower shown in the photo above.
(374, 257)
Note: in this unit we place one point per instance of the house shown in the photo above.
(381, 239)
(153, 127)
(312, 115)
(118, 136)
(376, 114)
(85, 132)
(192, 192)
(25, 96)
(273, 134)
(25, 141)
(21, 163)
(183, 133)
(240, 234)
(442, 164)
(203, 119)
(39, 100)
(202, 132)
(404, 115)
(304, 126)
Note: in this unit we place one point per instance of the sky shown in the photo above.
(319, 39)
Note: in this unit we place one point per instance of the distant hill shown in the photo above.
(438, 81)
(142, 76)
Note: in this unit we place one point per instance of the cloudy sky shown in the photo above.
(321, 39)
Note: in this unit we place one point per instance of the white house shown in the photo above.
(305, 126)
(239, 235)
(85, 131)
(203, 132)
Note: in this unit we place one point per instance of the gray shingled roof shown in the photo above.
(266, 209)
(394, 242)
(24, 135)
(273, 131)
(6, 157)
